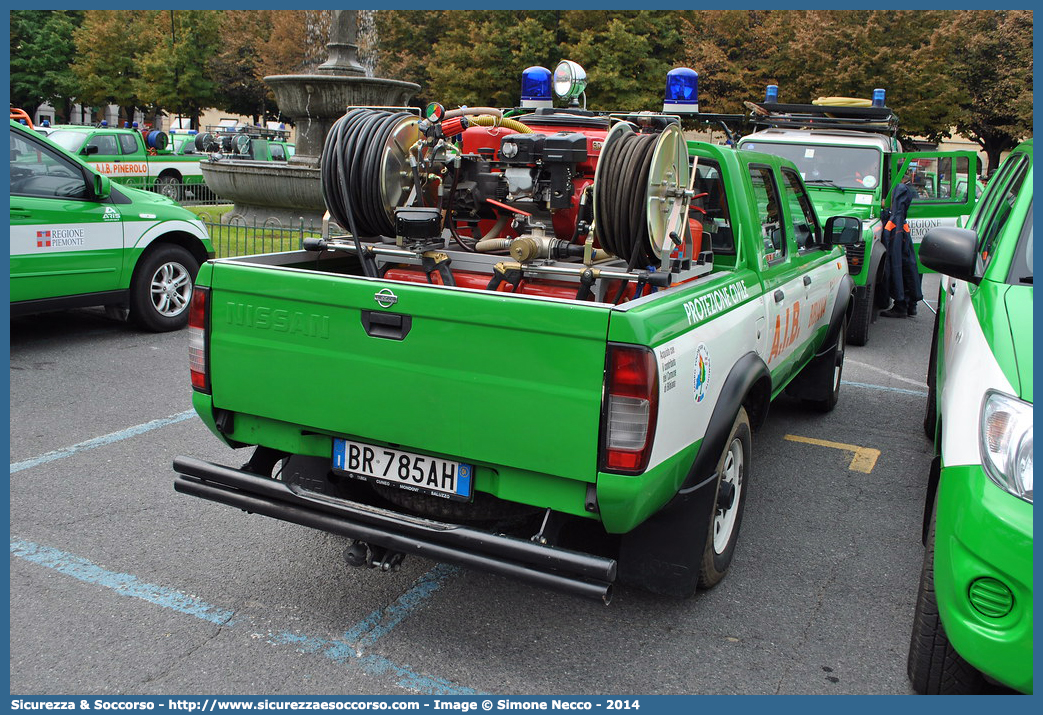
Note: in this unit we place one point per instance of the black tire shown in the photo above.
(862, 317)
(732, 476)
(934, 667)
(169, 186)
(835, 358)
(161, 288)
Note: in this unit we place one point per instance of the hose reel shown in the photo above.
(641, 193)
(366, 170)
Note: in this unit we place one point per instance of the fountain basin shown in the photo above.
(316, 101)
(262, 191)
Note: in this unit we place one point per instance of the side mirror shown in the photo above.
(843, 230)
(951, 251)
(90, 149)
(101, 186)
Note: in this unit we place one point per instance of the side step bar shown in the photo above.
(546, 566)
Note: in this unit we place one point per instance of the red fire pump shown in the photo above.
(551, 202)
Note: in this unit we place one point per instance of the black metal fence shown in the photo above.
(236, 237)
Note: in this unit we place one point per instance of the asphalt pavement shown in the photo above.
(119, 585)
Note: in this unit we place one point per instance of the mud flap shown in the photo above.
(664, 554)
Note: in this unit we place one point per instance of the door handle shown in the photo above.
(392, 326)
(952, 288)
(807, 280)
(19, 213)
(779, 296)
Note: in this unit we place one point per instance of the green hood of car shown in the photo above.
(1018, 303)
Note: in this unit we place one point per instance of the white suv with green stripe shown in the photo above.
(974, 610)
(78, 239)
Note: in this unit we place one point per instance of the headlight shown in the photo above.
(1006, 443)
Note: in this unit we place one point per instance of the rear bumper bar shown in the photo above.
(547, 566)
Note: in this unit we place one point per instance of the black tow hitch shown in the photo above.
(360, 554)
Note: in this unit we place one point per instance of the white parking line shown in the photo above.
(102, 441)
(893, 376)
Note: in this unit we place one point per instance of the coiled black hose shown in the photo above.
(349, 171)
(619, 200)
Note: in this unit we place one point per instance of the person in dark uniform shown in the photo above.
(904, 280)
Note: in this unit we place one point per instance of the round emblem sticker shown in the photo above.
(702, 372)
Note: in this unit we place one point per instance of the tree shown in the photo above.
(236, 66)
(109, 45)
(626, 55)
(851, 53)
(175, 70)
(479, 58)
(989, 54)
(736, 53)
(405, 39)
(40, 67)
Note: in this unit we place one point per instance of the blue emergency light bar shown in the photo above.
(682, 91)
(536, 88)
(771, 94)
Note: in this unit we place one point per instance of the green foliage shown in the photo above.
(40, 65)
(626, 55)
(176, 71)
(942, 69)
(989, 55)
(236, 67)
(109, 45)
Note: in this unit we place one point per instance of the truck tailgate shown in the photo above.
(479, 376)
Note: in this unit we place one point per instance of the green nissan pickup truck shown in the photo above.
(142, 159)
(540, 351)
(850, 159)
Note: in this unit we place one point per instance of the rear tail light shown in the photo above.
(198, 359)
(630, 408)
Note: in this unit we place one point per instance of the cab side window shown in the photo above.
(806, 230)
(106, 144)
(992, 220)
(766, 193)
(37, 171)
(128, 144)
(277, 152)
(710, 207)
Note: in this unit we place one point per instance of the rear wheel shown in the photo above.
(732, 472)
(162, 288)
(862, 316)
(835, 360)
(934, 667)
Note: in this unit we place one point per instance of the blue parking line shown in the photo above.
(122, 583)
(379, 623)
(101, 441)
(343, 651)
(918, 393)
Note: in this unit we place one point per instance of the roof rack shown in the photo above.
(821, 116)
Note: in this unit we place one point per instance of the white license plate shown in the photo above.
(415, 472)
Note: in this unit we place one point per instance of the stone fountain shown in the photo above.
(264, 191)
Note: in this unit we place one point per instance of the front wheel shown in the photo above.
(161, 288)
(732, 473)
(169, 186)
(934, 666)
